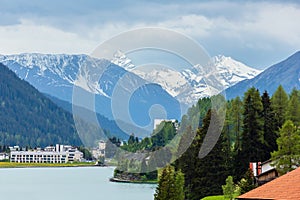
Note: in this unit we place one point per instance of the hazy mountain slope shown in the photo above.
(27, 117)
(286, 73)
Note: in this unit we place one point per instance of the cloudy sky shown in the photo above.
(258, 33)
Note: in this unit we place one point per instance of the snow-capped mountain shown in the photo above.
(232, 71)
(188, 85)
(122, 60)
(57, 75)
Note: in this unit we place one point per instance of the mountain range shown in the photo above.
(141, 92)
(123, 93)
(189, 85)
(57, 74)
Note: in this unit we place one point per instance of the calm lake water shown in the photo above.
(68, 184)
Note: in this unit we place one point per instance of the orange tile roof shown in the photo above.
(286, 187)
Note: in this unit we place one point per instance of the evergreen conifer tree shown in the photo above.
(269, 127)
(279, 104)
(204, 177)
(293, 107)
(287, 157)
(252, 135)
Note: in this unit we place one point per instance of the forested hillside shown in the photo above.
(258, 127)
(28, 118)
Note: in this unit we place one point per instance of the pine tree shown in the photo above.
(179, 185)
(186, 163)
(252, 125)
(229, 189)
(131, 139)
(161, 192)
(252, 135)
(269, 127)
(279, 104)
(237, 122)
(204, 176)
(287, 157)
(170, 185)
(293, 109)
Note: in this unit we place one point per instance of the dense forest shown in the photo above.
(256, 128)
(28, 118)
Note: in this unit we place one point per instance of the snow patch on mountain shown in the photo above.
(188, 85)
(122, 60)
(231, 71)
(60, 70)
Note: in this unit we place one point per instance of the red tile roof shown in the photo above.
(286, 187)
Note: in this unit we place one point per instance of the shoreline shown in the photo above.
(116, 180)
(9, 165)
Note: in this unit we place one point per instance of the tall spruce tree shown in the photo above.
(293, 108)
(252, 135)
(279, 104)
(170, 185)
(186, 163)
(287, 157)
(204, 176)
(269, 127)
(179, 185)
(237, 120)
(161, 192)
(230, 189)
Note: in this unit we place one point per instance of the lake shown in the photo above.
(68, 184)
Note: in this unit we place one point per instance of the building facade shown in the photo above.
(100, 150)
(51, 154)
(263, 172)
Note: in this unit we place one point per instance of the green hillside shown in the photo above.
(27, 117)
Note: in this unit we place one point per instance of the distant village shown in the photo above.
(59, 153)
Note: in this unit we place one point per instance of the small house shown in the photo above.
(285, 187)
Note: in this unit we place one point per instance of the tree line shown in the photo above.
(257, 128)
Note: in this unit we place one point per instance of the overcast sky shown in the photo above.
(256, 33)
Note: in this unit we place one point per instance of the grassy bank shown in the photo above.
(26, 165)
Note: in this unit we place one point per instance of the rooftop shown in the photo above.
(286, 187)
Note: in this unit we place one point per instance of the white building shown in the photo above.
(100, 150)
(58, 154)
(14, 148)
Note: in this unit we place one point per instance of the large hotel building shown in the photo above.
(51, 154)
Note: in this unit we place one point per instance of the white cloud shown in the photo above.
(233, 28)
(29, 37)
(278, 22)
(195, 25)
(263, 22)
